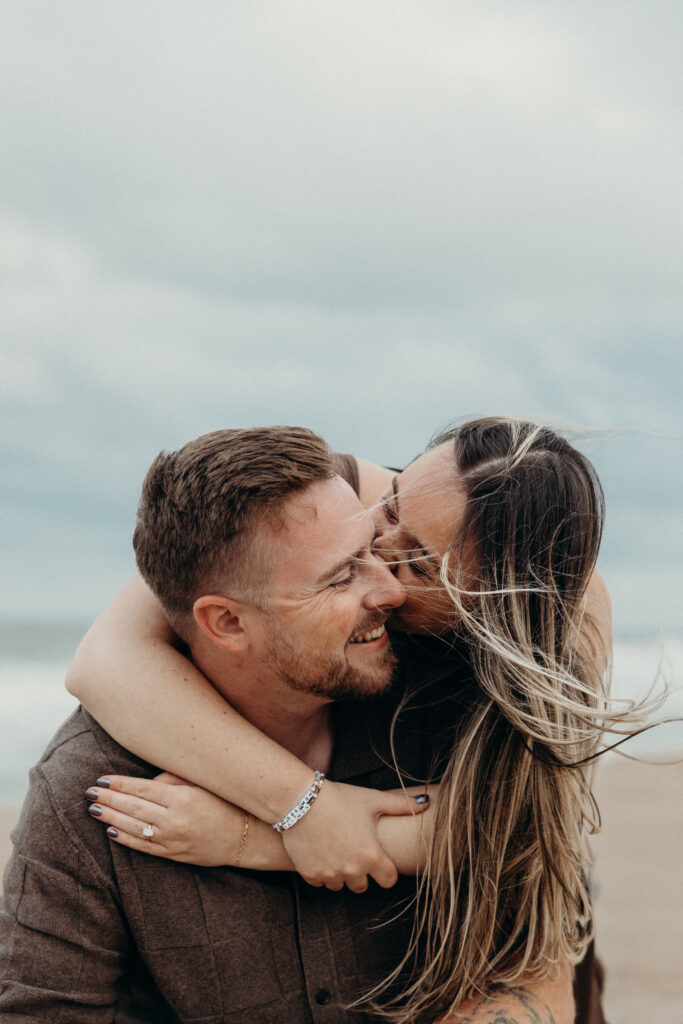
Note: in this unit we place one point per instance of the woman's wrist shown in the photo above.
(303, 806)
(264, 849)
(276, 802)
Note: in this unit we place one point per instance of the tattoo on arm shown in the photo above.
(531, 1010)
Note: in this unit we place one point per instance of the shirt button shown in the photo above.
(322, 997)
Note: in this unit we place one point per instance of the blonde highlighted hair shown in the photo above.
(505, 897)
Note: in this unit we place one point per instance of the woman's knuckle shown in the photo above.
(184, 796)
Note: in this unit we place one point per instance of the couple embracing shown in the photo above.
(360, 824)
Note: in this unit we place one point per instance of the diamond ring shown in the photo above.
(148, 832)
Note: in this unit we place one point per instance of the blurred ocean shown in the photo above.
(33, 701)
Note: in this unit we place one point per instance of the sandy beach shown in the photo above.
(639, 889)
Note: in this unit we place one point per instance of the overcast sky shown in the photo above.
(371, 218)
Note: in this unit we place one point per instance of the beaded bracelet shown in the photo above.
(303, 807)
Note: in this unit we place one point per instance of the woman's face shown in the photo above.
(418, 518)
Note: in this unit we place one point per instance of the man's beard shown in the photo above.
(325, 675)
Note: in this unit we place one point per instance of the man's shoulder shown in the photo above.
(79, 753)
(55, 836)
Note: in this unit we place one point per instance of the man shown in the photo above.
(262, 558)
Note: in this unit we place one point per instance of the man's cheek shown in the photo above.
(343, 621)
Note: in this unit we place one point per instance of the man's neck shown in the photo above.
(307, 735)
(300, 722)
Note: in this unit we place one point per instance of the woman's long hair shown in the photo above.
(505, 895)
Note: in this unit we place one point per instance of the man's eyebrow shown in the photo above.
(347, 561)
(412, 542)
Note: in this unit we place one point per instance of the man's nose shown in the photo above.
(387, 592)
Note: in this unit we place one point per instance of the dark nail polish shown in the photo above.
(104, 781)
(95, 810)
(112, 832)
(91, 794)
(423, 798)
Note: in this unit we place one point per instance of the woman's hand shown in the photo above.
(188, 824)
(336, 843)
(193, 826)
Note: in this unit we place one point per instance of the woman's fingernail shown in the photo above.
(95, 810)
(423, 798)
(104, 781)
(91, 794)
(112, 832)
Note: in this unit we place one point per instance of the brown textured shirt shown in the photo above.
(91, 931)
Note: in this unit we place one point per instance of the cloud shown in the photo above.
(340, 156)
(368, 218)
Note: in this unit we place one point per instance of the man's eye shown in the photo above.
(346, 581)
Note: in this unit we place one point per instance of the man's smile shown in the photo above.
(370, 636)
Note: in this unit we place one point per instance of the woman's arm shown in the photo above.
(128, 674)
(596, 626)
(373, 481)
(194, 826)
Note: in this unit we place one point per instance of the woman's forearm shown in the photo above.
(405, 841)
(194, 826)
(155, 702)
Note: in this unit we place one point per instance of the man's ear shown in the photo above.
(221, 619)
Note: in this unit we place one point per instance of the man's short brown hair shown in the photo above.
(201, 505)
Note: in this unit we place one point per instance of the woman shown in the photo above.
(494, 533)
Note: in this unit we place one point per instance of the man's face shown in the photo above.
(322, 623)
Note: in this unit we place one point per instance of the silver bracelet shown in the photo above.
(303, 807)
